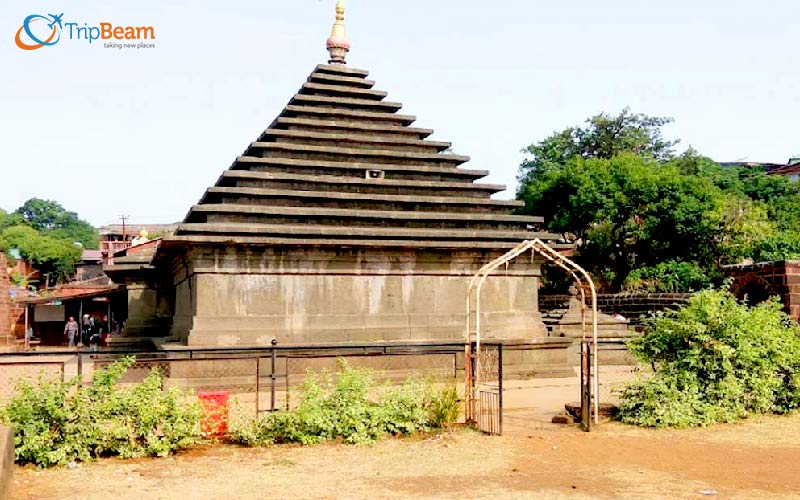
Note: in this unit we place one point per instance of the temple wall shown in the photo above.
(229, 296)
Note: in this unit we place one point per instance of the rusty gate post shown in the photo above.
(586, 385)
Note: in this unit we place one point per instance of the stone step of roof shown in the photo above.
(353, 232)
(349, 139)
(330, 112)
(287, 197)
(377, 155)
(394, 171)
(342, 187)
(341, 69)
(378, 215)
(378, 129)
(334, 79)
(334, 180)
(433, 245)
(339, 90)
(345, 102)
(465, 223)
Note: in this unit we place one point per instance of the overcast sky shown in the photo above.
(108, 132)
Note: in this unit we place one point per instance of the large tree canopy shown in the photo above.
(628, 212)
(49, 217)
(604, 136)
(640, 214)
(47, 235)
(49, 255)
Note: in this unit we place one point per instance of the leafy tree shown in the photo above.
(48, 254)
(49, 217)
(8, 220)
(604, 136)
(628, 212)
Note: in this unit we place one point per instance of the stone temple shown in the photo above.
(342, 222)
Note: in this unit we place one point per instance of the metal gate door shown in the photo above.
(485, 390)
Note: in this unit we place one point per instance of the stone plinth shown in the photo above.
(228, 296)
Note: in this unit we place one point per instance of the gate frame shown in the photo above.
(472, 376)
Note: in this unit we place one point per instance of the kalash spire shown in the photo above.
(338, 44)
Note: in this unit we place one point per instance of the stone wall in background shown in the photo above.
(633, 306)
(758, 281)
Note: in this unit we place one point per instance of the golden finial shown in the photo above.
(338, 45)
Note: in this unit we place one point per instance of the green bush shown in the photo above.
(58, 422)
(714, 360)
(669, 277)
(345, 409)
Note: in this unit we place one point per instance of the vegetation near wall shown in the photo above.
(714, 360)
(59, 422)
(349, 409)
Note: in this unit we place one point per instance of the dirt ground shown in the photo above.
(758, 458)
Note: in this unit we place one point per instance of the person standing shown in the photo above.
(86, 327)
(28, 338)
(71, 331)
(104, 332)
(94, 335)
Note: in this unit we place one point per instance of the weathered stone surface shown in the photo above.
(358, 168)
(359, 127)
(563, 418)
(606, 410)
(330, 296)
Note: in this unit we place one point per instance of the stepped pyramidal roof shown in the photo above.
(341, 165)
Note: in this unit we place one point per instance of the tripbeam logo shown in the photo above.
(39, 31)
(40, 38)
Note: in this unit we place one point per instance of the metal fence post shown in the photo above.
(80, 368)
(272, 377)
(258, 383)
(500, 387)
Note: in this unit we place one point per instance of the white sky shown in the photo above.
(143, 133)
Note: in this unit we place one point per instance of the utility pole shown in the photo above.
(124, 218)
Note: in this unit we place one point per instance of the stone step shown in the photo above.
(376, 155)
(373, 128)
(329, 78)
(180, 240)
(309, 230)
(341, 69)
(345, 102)
(394, 171)
(281, 180)
(368, 215)
(465, 223)
(311, 88)
(357, 200)
(355, 115)
(349, 139)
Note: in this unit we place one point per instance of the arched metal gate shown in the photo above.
(483, 384)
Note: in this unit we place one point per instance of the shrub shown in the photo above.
(58, 422)
(668, 277)
(345, 410)
(714, 360)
